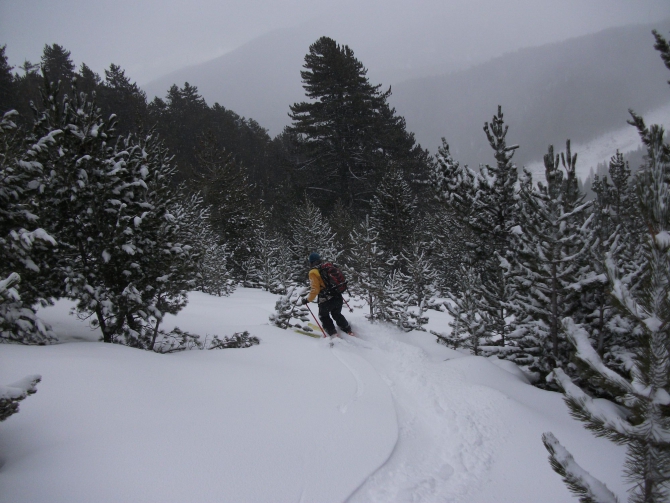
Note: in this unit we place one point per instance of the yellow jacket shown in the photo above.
(316, 283)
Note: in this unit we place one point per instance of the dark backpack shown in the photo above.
(333, 278)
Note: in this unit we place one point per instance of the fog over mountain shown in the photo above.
(577, 89)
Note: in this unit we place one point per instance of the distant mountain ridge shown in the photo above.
(579, 89)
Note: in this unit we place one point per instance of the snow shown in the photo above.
(625, 139)
(386, 416)
(597, 491)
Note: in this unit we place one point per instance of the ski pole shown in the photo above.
(345, 300)
(319, 324)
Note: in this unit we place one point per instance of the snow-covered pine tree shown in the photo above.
(310, 232)
(454, 184)
(22, 243)
(642, 420)
(272, 267)
(493, 217)
(394, 213)
(615, 216)
(367, 266)
(644, 423)
(288, 313)
(448, 244)
(212, 274)
(121, 251)
(265, 262)
(226, 190)
(487, 203)
(553, 246)
(420, 283)
(469, 325)
(162, 250)
(394, 304)
(453, 241)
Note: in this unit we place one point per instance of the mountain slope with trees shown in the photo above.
(577, 89)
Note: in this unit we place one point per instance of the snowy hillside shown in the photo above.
(387, 416)
(626, 139)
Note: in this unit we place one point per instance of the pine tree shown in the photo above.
(23, 245)
(393, 305)
(8, 86)
(287, 312)
(226, 191)
(368, 268)
(394, 213)
(125, 99)
(121, 252)
(87, 80)
(347, 132)
(615, 217)
(454, 242)
(553, 247)
(11, 395)
(469, 327)
(487, 202)
(57, 66)
(420, 282)
(310, 232)
(494, 216)
(212, 273)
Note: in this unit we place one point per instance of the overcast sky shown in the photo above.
(152, 38)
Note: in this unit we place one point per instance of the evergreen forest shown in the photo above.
(124, 205)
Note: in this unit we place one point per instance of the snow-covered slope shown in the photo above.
(590, 154)
(387, 416)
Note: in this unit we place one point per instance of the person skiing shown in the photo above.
(330, 300)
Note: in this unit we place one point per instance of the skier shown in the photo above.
(330, 300)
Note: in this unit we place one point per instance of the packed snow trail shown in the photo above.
(447, 429)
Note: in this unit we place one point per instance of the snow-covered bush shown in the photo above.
(12, 394)
(237, 340)
(287, 312)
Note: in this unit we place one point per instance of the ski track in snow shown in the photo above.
(448, 430)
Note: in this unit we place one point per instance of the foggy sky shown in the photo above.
(151, 38)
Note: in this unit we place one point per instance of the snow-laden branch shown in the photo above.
(579, 338)
(579, 481)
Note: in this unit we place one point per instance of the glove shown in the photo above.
(304, 301)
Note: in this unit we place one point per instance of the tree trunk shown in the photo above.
(554, 309)
(106, 333)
